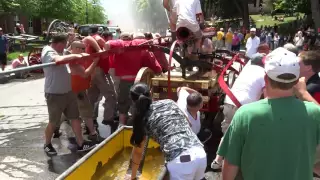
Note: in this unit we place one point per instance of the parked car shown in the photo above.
(113, 29)
(84, 30)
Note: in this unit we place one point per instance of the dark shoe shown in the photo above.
(86, 146)
(57, 133)
(97, 139)
(86, 130)
(107, 122)
(95, 123)
(49, 150)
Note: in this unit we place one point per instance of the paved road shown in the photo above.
(23, 117)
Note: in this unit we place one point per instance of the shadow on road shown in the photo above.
(59, 164)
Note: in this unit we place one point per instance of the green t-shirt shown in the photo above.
(273, 139)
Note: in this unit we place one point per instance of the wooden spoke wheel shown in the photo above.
(145, 75)
(231, 78)
(57, 26)
(34, 58)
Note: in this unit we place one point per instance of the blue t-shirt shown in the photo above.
(3, 44)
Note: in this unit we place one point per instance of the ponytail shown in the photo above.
(142, 102)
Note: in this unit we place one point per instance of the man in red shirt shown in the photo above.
(127, 64)
(101, 84)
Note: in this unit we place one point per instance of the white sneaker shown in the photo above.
(215, 165)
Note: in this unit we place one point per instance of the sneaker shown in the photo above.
(216, 166)
(49, 150)
(97, 139)
(107, 122)
(86, 146)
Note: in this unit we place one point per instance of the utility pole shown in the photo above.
(87, 14)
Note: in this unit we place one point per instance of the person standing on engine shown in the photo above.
(168, 5)
(185, 14)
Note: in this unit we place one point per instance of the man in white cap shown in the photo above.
(252, 43)
(274, 138)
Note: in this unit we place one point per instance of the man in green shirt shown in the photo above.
(274, 138)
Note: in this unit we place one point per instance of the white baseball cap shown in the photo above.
(281, 61)
(253, 30)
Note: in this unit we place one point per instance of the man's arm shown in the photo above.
(300, 90)
(150, 61)
(92, 42)
(189, 90)
(229, 171)
(101, 42)
(166, 5)
(52, 56)
(199, 11)
(79, 70)
(231, 147)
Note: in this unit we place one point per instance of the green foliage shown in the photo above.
(68, 10)
(290, 6)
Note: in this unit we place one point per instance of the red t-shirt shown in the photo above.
(79, 83)
(130, 62)
(103, 62)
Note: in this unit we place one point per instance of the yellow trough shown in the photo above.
(88, 166)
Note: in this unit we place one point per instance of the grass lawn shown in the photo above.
(14, 55)
(267, 20)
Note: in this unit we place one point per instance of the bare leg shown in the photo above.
(49, 132)
(76, 127)
(90, 125)
(123, 119)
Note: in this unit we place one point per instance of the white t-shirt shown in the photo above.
(252, 46)
(248, 86)
(186, 11)
(182, 104)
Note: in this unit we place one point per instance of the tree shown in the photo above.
(8, 5)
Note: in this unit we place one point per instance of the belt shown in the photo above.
(128, 77)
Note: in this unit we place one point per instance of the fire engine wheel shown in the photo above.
(57, 26)
(144, 75)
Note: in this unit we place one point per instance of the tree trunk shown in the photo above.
(315, 9)
(245, 14)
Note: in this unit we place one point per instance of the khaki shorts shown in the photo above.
(198, 34)
(124, 101)
(228, 112)
(84, 106)
(59, 104)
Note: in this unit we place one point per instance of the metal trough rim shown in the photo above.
(89, 154)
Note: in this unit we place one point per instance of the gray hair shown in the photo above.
(292, 48)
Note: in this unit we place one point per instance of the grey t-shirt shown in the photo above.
(168, 126)
(57, 78)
